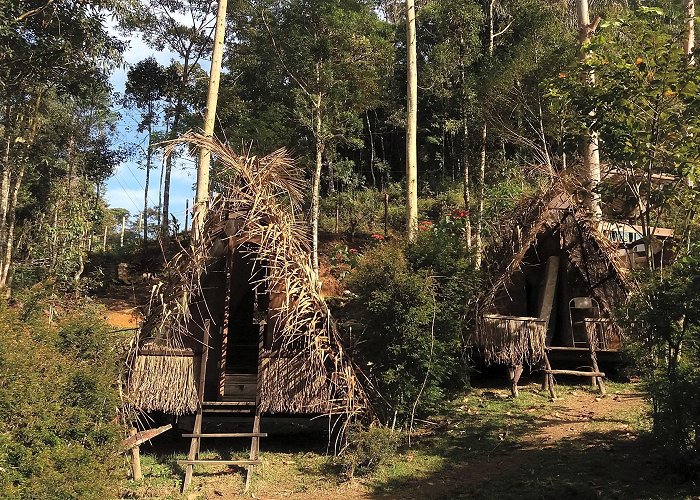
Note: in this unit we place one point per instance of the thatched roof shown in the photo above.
(604, 276)
(593, 254)
(258, 200)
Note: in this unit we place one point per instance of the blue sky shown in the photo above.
(125, 187)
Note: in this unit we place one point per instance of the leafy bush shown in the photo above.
(409, 314)
(58, 404)
(664, 315)
(367, 449)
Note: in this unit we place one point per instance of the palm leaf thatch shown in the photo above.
(257, 201)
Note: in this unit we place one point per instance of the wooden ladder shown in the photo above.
(595, 374)
(225, 407)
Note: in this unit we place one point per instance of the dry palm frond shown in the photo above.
(257, 207)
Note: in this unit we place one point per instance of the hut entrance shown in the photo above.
(246, 310)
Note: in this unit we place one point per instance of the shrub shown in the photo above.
(664, 314)
(58, 404)
(367, 449)
(409, 314)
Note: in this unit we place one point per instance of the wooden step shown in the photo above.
(228, 403)
(227, 435)
(243, 410)
(220, 462)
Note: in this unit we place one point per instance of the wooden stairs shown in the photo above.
(245, 405)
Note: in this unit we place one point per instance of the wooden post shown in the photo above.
(121, 237)
(595, 379)
(515, 373)
(196, 440)
(135, 459)
(548, 377)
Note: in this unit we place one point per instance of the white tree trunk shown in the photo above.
(591, 154)
(411, 124)
(478, 242)
(316, 183)
(689, 44)
(202, 197)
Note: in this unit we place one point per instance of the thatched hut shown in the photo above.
(272, 338)
(557, 279)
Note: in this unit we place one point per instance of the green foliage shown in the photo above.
(644, 105)
(57, 405)
(664, 314)
(409, 315)
(367, 449)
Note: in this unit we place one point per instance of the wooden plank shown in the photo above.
(575, 373)
(228, 435)
(550, 288)
(519, 318)
(231, 410)
(228, 403)
(190, 463)
(141, 437)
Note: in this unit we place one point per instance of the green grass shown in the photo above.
(484, 445)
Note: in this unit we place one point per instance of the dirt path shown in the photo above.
(583, 412)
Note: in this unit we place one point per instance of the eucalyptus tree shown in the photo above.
(184, 27)
(330, 58)
(48, 50)
(647, 110)
(411, 122)
(147, 84)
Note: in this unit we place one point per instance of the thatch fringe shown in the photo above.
(259, 203)
(165, 383)
(512, 340)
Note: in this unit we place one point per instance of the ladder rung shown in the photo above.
(219, 462)
(227, 435)
(229, 411)
(228, 403)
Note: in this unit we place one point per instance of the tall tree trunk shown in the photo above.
(149, 153)
(165, 214)
(689, 43)
(371, 151)
(5, 177)
(316, 182)
(478, 241)
(411, 123)
(591, 154)
(11, 217)
(465, 182)
(479, 216)
(202, 197)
